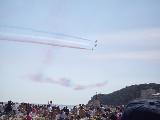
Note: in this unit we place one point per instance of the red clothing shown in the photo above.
(46, 113)
(34, 110)
(28, 117)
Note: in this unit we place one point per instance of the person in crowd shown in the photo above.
(1, 108)
(28, 117)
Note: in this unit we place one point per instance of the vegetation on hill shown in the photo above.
(125, 95)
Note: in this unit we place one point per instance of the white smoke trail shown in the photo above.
(43, 41)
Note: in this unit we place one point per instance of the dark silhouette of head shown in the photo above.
(146, 109)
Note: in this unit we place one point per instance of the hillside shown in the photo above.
(123, 96)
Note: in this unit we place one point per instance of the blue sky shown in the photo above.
(128, 51)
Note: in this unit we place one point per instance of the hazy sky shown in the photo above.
(128, 51)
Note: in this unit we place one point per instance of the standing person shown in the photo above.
(8, 108)
(46, 112)
(61, 115)
(1, 108)
(28, 117)
(82, 112)
(15, 108)
(66, 110)
(34, 111)
(51, 103)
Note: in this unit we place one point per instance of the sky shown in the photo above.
(128, 50)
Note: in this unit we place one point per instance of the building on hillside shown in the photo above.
(147, 93)
(156, 95)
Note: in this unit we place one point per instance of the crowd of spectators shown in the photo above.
(148, 109)
(26, 111)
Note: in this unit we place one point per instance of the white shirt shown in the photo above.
(1, 108)
(50, 109)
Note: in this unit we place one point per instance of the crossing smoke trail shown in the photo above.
(63, 40)
(44, 32)
(42, 41)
